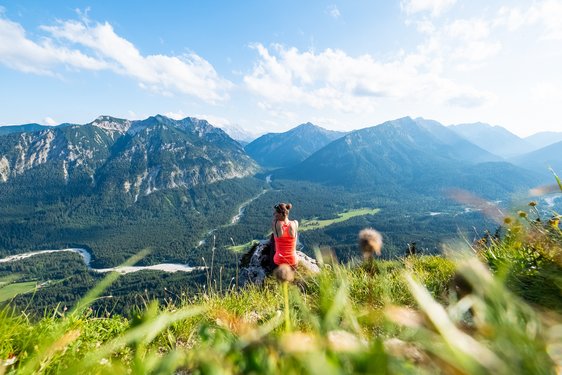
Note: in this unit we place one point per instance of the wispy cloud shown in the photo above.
(333, 11)
(333, 79)
(434, 7)
(18, 52)
(547, 14)
(85, 45)
(49, 121)
(464, 44)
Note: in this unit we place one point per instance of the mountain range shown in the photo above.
(493, 138)
(405, 154)
(135, 157)
(143, 156)
(501, 142)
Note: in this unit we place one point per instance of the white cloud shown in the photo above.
(87, 46)
(20, 53)
(49, 121)
(333, 11)
(334, 80)
(547, 14)
(463, 44)
(435, 7)
(467, 29)
(188, 73)
(176, 115)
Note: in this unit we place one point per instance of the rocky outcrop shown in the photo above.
(4, 169)
(257, 263)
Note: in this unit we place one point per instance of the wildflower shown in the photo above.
(370, 241)
(343, 341)
(522, 214)
(299, 342)
(104, 361)
(554, 222)
(284, 273)
(532, 203)
(507, 220)
(404, 316)
(10, 361)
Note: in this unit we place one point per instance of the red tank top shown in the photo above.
(285, 247)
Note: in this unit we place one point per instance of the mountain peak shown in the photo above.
(295, 144)
(307, 125)
(111, 123)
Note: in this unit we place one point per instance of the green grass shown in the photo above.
(318, 224)
(375, 317)
(8, 279)
(9, 291)
(240, 248)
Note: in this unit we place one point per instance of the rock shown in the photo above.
(257, 263)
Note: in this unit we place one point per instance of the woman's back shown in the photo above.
(285, 235)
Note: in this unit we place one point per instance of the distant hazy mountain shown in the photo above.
(420, 155)
(542, 159)
(237, 133)
(463, 149)
(131, 157)
(494, 139)
(543, 139)
(285, 149)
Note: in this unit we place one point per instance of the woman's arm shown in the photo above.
(274, 227)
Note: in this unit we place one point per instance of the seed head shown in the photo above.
(370, 242)
(532, 203)
(522, 214)
(284, 273)
(507, 220)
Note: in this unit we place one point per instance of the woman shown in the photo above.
(285, 235)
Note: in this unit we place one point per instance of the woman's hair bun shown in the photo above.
(288, 206)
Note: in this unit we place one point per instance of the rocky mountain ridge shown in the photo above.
(136, 157)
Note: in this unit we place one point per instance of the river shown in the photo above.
(236, 218)
(86, 256)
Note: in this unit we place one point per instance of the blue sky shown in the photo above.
(266, 66)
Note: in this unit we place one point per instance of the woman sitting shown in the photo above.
(285, 235)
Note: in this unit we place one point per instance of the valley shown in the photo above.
(191, 195)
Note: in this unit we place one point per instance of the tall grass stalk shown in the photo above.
(286, 305)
